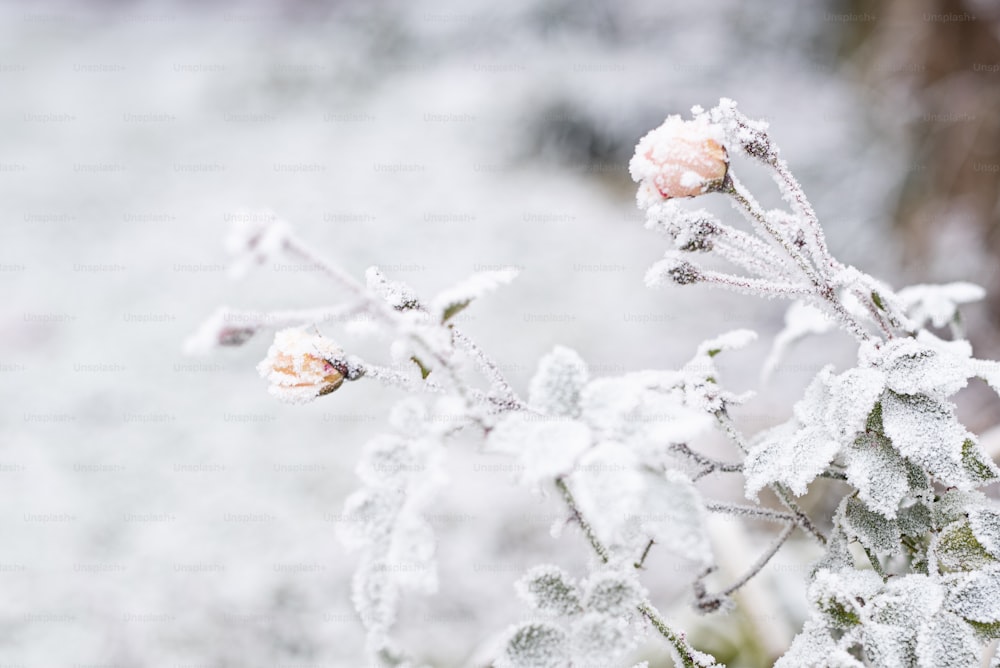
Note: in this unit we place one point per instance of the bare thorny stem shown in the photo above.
(683, 650)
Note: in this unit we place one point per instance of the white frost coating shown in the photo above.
(814, 647)
(945, 641)
(795, 452)
(255, 239)
(556, 386)
(535, 645)
(985, 524)
(927, 433)
(644, 409)
(297, 367)
(801, 320)
(545, 447)
(608, 488)
(976, 596)
(912, 366)
(471, 288)
(938, 304)
(395, 293)
(732, 340)
(879, 473)
(853, 395)
(551, 590)
(216, 331)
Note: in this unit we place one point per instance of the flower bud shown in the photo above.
(679, 159)
(301, 366)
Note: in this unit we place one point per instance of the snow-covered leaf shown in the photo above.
(732, 340)
(556, 386)
(985, 525)
(450, 302)
(878, 534)
(612, 593)
(842, 595)
(927, 433)
(545, 447)
(853, 395)
(878, 472)
(674, 516)
(938, 304)
(958, 549)
(627, 505)
(550, 589)
(945, 641)
(814, 647)
(912, 367)
(601, 640)
(976, 596)
(535, 645)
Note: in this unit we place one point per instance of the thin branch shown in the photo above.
(684, 654)
(645, 553)
(487, 366)
(751, 511)
(761, 561)
(709, 464)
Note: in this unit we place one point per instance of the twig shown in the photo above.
(487, 366)
(645, 553)
(761, 561)
(750, 511)
(684, 654)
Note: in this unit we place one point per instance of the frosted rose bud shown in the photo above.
(679, 159)
(298, 366)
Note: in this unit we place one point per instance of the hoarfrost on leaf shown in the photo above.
(556, 386)
(795, 452)
(814, 647)
(601, 640)
(938, 304)
(878, 472)
(875, 532)
(551, 590)
(535, 645)
(926, 432)
(945, 641)
(612, 593)
(545, 447)
(976, 596)
(450, 302)
(985, 524)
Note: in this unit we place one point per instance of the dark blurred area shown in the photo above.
(930, 70)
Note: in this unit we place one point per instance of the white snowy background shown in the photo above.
(157, 510)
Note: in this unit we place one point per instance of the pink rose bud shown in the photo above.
(300, 366)
(679, 159)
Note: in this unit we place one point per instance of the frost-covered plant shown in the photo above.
(910, 574)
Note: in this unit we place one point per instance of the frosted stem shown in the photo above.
(750, 511)
(761, 561)
(488, 367)
(684, 654)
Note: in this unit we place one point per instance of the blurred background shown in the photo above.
(158, 510)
